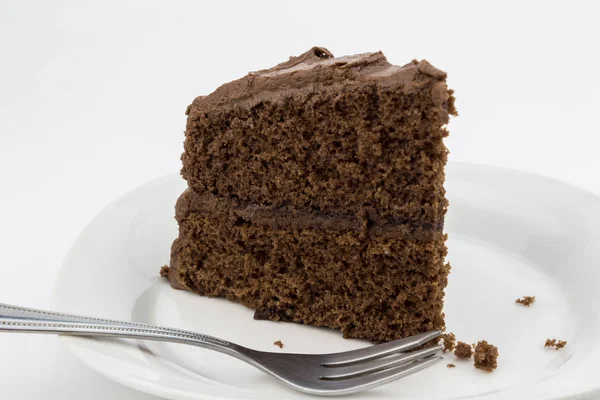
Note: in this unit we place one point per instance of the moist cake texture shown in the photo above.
(315, 195)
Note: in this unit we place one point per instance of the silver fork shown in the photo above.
(318, 374)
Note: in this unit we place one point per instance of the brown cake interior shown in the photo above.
(364, 149)
(316, 195)
(322, 273)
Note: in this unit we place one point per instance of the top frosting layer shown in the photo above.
(319, 68)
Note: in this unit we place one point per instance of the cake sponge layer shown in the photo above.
(349, 136)
(373, 282)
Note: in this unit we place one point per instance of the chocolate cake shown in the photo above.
(315, 194)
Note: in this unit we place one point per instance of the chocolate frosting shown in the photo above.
(319, 67)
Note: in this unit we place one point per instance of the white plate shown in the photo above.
(511, 234)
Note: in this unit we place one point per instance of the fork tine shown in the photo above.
(380, 350)
(368, 381)
(379, 364)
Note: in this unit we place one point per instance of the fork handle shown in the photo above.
(29, 320)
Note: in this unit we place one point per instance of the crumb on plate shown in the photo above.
(485, 356)
(463, 350)
(164, 271)
(557, 344)
(526, 300)
(449, 341)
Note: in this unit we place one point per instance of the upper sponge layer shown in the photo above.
(353, 135)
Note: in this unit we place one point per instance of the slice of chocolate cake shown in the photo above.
(315, 194)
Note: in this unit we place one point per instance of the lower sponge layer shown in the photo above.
(373, 282)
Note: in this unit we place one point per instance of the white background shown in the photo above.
(92, 101)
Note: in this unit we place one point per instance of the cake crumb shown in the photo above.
(463, 350)
(164, 271)
(451, 366)
(526, 300)
(486, 356)
(449, 341)
(557, 344)
(279, 343)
